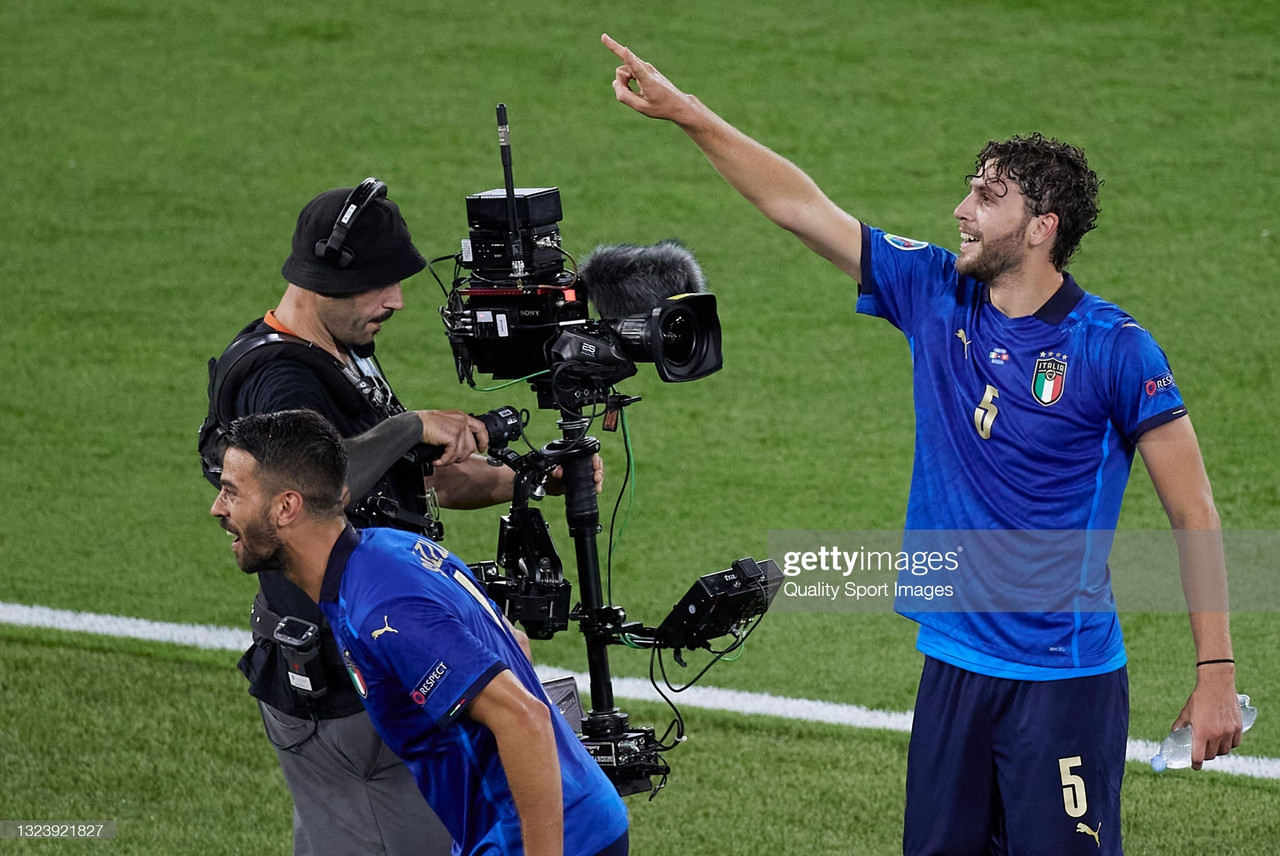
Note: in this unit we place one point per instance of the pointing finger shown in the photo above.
(631, 62)
(618, 50)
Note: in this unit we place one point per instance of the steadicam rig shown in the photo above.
(527, 582)
(518, 314)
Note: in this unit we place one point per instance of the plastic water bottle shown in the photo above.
(1175, 750)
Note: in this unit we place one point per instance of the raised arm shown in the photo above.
(1172, 456)
(782, 191)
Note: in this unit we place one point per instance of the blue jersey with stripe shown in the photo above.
(1022, 424)
(420, 640)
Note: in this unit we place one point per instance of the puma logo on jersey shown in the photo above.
(1092, 833)
(964, 337)
(386, 628)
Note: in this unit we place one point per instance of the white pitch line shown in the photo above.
(215, 638)
(205, 636)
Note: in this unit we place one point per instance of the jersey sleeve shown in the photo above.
(900, 276)
(1145, 394)
(438, 662)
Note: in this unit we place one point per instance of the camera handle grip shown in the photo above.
(582, 511)
(424, 454)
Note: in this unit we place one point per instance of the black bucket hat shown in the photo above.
(382, 251)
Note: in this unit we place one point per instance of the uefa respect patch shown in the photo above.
(1157, 385)
(905, 243)
(432, 679)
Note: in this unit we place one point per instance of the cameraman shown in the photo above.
(350, 793)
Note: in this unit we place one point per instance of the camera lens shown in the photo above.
(679, 337)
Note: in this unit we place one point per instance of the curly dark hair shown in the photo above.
(1054, 177)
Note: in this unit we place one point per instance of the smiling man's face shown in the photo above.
(243, 509)
(993, 220)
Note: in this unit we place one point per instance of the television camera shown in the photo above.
(515, 312)
(518, 312)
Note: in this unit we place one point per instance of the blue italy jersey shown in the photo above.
(1021, 424)
(420, 640)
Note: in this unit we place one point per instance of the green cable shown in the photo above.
(510, 382)
(631, 482)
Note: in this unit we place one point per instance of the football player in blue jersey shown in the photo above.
(1031, 397)
(444, 677)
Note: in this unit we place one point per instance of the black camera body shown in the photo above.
(630, 759)
(299, 642)
(517, 294)
(519, 313)
(718, 603)
(488, 250)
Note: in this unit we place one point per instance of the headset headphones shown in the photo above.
(332, 250)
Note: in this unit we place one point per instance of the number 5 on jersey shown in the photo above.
(986, 412)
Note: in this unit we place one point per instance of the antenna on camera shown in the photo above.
(513, 228)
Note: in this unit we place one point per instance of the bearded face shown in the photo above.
(356, 319)
(243, 509)
(985, 256)
(993, 221)
(257, 546)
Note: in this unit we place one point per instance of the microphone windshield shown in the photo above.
(627, 279)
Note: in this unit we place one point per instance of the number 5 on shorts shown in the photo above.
(1073, 795)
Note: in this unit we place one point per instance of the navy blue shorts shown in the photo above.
(621, 847)
(1015, 767)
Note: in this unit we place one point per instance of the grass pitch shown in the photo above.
(156, 156)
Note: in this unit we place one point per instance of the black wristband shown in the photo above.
(1211, 662)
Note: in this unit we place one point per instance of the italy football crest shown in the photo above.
(1050, 378)
(353, 671)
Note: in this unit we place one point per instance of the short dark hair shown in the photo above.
(296, 450)
(1054, 177)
